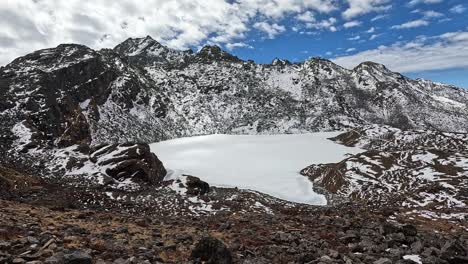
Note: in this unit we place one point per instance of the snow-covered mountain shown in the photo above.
(143, 91)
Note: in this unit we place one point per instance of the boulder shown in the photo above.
(77, 257)
(195, 186)
(210, 250)
(129, 161)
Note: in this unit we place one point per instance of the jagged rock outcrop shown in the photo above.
(128, 161)
(195, 186)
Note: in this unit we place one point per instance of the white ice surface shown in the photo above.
(264, 163)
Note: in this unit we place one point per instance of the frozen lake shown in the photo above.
(264, 163)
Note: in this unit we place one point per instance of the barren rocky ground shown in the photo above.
(46, 223)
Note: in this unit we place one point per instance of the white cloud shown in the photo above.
(360, 7)
(306, 17)
(458, 9)
(379, 17)
(353, 23)
(324, 24)
(371, 30)
(415, 2)
(231, 46)
(30, 25)
(374, 36)
(432, 14)
(271, 29)
(441, 52)
(355, 38)
(412, 24)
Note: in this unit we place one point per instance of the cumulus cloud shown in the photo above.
(306, 17)
(446, 51)
(360, 7)
(412, 24)
(29, 25)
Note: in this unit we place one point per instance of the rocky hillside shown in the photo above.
(424, 170)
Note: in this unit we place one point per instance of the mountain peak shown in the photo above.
(280, 62)
(372, 65)
(136, 46)
(213, 52)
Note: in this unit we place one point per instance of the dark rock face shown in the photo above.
(51, 83)
(211, 251)
(129, 161)
(214, 53)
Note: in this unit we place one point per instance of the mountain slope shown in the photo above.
(143, 91)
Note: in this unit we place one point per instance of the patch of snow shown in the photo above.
(23, 133)
(85, 103)
(414, 258)
(263, 207)
(264, 163)
(448, 101)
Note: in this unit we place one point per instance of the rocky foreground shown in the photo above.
(42, 222)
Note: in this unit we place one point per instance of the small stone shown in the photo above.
(52, 260)
(184, 237)
(334, 254)
(18, 261)
(33, 240)
(78, 257)
(170, 246)
(409, 230)
(383, 261)
(5, 244)
(416, 247)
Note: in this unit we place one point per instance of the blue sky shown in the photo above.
(420, 38)
(373, 30)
